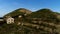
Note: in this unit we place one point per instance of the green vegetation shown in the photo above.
(44, 15)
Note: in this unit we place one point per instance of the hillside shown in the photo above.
(45, 14)
(43, 21)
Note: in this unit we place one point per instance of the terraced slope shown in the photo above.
(43, 21)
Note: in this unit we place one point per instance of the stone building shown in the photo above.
(9, 20)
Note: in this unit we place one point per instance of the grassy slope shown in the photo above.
(15, 29)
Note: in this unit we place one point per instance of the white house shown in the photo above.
(10, 20)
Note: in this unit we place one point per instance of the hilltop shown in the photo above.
(19, 11)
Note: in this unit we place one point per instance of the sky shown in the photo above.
(7, 6)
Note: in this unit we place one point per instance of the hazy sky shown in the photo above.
(7, 6)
